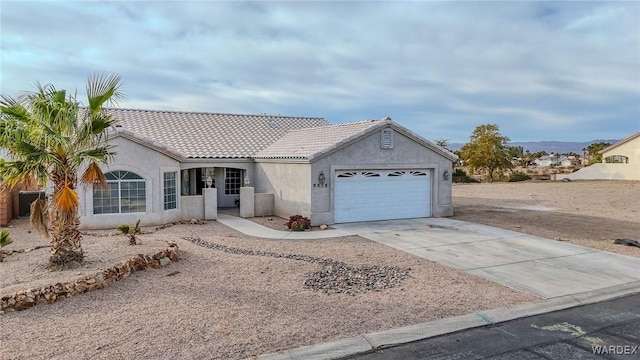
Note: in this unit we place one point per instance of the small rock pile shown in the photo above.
(336, 277)
(341, 278)
(22, 299)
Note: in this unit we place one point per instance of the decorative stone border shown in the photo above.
(147, 231)
(23, 300)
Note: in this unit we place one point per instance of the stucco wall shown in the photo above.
(367, 154)
(150, 165)
(289, 182)
(192, 207)
(604, 171)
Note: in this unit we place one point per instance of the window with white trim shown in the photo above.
(232, 181)
(125, 193)
(170, 191)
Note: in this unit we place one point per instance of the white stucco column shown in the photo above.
(247, 202)
(210, 203)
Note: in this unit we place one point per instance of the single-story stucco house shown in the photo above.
(173, 166)
(620, 161)
(546, 161)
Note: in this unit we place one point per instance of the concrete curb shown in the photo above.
(367, 342)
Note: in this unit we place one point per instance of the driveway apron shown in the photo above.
(543, 267)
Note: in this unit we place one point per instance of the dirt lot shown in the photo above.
(587, 213)
(222, 305)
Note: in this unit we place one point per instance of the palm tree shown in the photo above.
(130, 231)
(51, 137)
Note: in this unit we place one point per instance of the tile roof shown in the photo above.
(211, 135)
(313, 143)
(304, 144)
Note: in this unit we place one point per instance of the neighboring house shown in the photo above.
(620, 161)
(546, 161)
(366, 170)
(568, 161)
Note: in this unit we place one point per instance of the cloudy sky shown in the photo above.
(567, 71)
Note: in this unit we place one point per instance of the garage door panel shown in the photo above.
(367, 195)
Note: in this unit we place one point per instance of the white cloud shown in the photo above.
(561, 63)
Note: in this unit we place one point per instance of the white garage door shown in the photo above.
(366, 195)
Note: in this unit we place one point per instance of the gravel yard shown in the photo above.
(587, 213)
(231, 304)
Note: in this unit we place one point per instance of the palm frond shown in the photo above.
(102, 89)
(4, 238)
(15, 172)
(59, 96)
(11, 107)
(66, 199)
(98, 154)
(124, 229)
(94, 175)
(28, 182)
(38, 217)
(100, 123)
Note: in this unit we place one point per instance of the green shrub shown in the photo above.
(460, 176)
(518, 176)
(459, 172)
(299, 223)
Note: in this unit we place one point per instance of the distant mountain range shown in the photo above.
(556, 147)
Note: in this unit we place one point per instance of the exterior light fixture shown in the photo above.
(321, 179)
(445, 174)
(209, 181)
(247, 182)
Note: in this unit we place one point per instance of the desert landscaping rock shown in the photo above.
(340, 278)
(336, 277)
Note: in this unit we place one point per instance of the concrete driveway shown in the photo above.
(543, 267)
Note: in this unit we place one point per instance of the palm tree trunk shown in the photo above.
(66, 249)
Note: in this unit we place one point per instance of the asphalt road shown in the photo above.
(605, 330)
